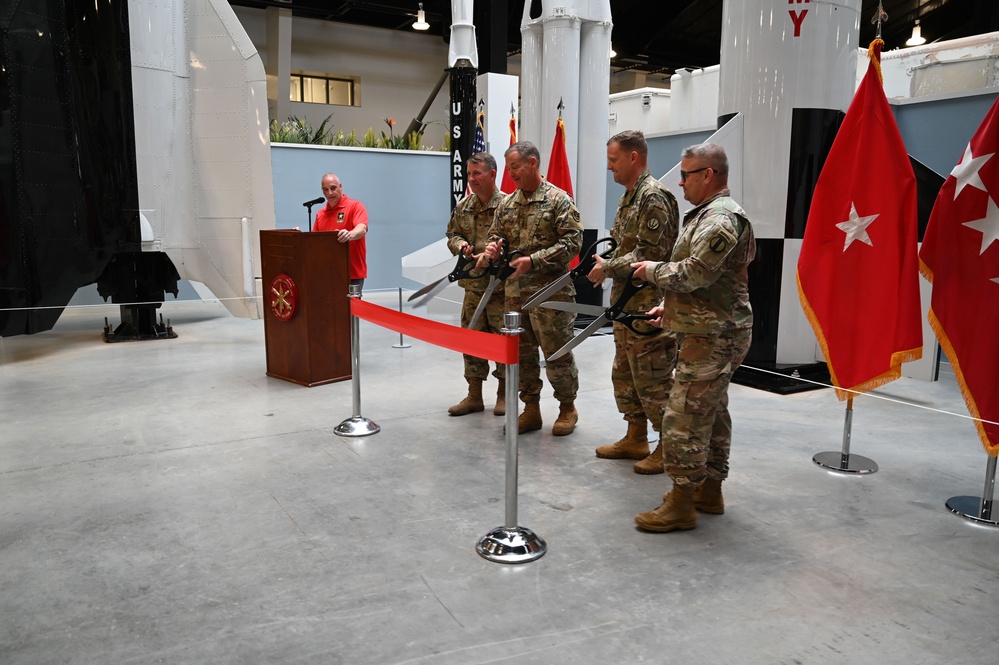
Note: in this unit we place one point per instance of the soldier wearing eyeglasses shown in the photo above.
(706, 305)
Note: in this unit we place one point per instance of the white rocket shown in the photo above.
(565, 57)
(788, 69)
(202, 144)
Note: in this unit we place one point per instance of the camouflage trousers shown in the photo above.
(549, 330)
(697, 428)
(491, 321)
(642, 374)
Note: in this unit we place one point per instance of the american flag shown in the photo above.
(480, 139)
(480, 142)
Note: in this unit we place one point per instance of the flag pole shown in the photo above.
(511, 543)
(978, 509)
(843, 461)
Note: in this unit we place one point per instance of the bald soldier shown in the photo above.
(540, 220)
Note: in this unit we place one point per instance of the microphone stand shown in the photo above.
(308, 206)
(308, 211)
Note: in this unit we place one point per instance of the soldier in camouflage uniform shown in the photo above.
(540, 220)
(706, 305)
(466, 233)
(645, 229)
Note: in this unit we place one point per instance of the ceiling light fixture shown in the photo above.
(421, 20)
(917, 37)
(613, 53)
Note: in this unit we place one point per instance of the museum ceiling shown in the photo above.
(655, 36)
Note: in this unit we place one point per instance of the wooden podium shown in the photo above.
(306, 308)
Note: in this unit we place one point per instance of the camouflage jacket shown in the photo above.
(470, 220)
(545, 226)
(645, 229)
(705, 281)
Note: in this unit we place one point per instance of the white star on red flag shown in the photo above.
(988, 226)
(964, 310)
(856, 228)
(966, 171)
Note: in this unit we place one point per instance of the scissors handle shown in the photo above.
(616, 311)
(629, 320)
(586, 260)
(463, 269)
(503, 267)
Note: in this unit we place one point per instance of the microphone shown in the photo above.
(309, 204)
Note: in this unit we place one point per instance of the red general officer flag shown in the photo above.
(558, 164)
(960, 256)
(507, 186)
(558, 169)
(857, 274)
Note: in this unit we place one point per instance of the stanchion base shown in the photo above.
(511, 545)
(970, 508)
(402, 346)
(846, 463)
(356, 426)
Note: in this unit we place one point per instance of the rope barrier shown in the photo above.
(477, 344)
(484, 345)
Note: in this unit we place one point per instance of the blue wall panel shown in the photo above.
(405, 192)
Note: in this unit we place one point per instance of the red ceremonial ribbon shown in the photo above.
(498, 348)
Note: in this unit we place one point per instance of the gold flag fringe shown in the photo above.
(874, 54)
(991, 447)
(844, 393)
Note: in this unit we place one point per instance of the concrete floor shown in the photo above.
(166, 502)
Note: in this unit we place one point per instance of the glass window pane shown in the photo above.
(296, 88)
(341, 92)
(315, 90)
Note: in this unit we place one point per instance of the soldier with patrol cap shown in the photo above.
(706, 305)
(645, 229)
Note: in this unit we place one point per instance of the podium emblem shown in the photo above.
(284, 297)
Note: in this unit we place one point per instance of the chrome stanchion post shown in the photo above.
(356, 425)
(511, 543)
(401, 344)
(843, 461)
(978, 509)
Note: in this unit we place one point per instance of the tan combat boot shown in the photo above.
(634, 445)
(566, 421)
(530, 419)
(500, 408)
(652, 464)
(676, 512)
(708, 497)
(472, 402)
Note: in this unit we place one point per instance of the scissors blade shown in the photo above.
(578, 308)
(426, 289)
(430, 291)
(546, 292)
(486, 295)
(578, 339)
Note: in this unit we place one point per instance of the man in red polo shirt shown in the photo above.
(348, 218)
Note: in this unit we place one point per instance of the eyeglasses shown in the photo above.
(686, 174)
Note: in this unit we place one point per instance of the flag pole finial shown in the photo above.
(880, 17)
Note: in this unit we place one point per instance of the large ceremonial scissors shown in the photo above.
(586, 263)
(462, 270)
(498, 271)
(613, 313)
